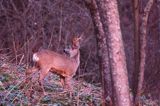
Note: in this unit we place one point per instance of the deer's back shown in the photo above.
(56, 62)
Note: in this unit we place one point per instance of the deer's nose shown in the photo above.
(66, 51)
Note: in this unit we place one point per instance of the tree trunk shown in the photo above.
(136, 47)
(143, 33)
(102, 53)
(158, 6)
(116, 51)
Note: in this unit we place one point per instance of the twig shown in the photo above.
(21, 59)
(60, 27)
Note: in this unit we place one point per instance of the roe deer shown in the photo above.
(62, 65)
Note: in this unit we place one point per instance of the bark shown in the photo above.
(136, 47)
(116, 51)
(143, 33)
(102, 53)
(158, 5)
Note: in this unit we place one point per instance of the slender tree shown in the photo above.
(102, 53)
(136, 47)
(158, 6)
(143, 41)
(110, 17)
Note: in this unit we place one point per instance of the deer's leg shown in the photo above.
(68, 83)
(62, 80)
(43, 73)
(29, 72)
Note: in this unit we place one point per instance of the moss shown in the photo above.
(5, 77)
(1, 88)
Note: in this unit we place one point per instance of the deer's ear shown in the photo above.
(80, 37)
(77, 39)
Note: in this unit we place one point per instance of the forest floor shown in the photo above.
(15, 92)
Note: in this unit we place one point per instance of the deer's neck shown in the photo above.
(77, 58)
